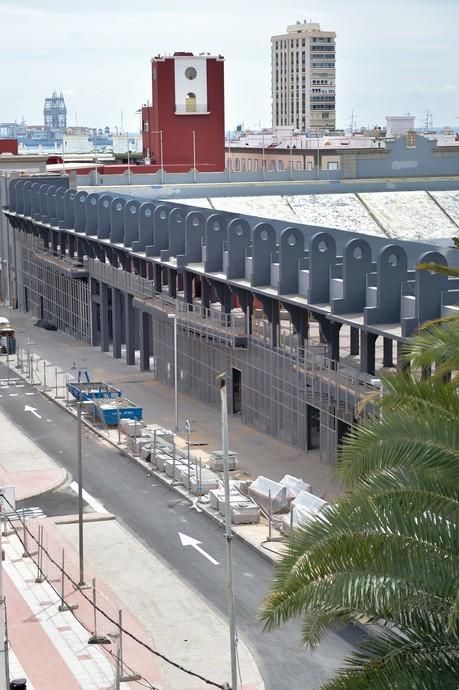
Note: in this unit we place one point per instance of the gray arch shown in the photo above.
(35, 196)
(131, 222)
(291, 250)
(160, 231)
(91, 213)
(391, 273)
(146, 231)
(117, 220)
(177, 231)
(215, 235)
(321, 256)
(104, 216)
(234, 253)
(263, 246)
(69, 206)
(356, 265)
(195, 227)
(60, 207)
(80, 211)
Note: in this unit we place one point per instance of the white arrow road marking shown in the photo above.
(27, 408)
(90, 500)
(190, 541)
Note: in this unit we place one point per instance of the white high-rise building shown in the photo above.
(303, 78)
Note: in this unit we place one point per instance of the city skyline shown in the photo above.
(388, 63)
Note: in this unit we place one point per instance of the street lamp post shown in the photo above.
(81, 583)
(228, 533)
(174, 317)
(161, 151)
(194, 155)
(128, 159)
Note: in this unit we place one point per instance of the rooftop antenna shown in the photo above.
(352, 121)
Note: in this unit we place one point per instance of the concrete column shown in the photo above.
(188, 287)
(95, 300)
(274, 320)
(116, 323)
(54, 241)
(388, 360)
(158, 278)
(136, 329)
(206, 293)
(145, 337)
(129, 320)
(225, 297)
(355, 335)
(71, 241)
(333, 343)
(172, 282)
(104, 325)
(367, 352)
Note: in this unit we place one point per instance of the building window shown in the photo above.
(243, 164)
(249, 165)
(255, 164)
(146, 126)
(190, 102)
(280, 165)
(308, 165)
(298, 165)
(238, 164)
(332, 165)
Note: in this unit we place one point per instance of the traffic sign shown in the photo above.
(187, 426)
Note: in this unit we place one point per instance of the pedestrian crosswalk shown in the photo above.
(26, 513)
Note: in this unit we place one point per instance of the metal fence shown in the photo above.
(55, 297)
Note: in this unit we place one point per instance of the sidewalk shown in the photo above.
(258, 453)
(50, 647)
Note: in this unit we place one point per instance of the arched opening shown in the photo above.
(190, 102)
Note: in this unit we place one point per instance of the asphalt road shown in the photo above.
(155, 515)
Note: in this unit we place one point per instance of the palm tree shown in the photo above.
(389, 552)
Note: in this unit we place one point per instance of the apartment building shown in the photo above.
(304, 78)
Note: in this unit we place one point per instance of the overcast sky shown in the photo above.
(393, 57)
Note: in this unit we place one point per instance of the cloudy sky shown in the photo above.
(393, 57)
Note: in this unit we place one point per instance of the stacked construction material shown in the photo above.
(303, 509)
(216, 460)
(243, 509)
(270, 496)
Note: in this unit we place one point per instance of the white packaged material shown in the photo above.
(309, 501)
(131, 427)
(245, 513)
(294, 486)
(159, 461)
(264, 491)
(146, 451)
(203, 482)
(303, 509)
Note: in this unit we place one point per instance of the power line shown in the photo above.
(133, 637)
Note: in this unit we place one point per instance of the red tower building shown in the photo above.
(184, 128)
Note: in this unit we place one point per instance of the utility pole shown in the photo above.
(228, 534)
(4, 680)
(81, 583)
